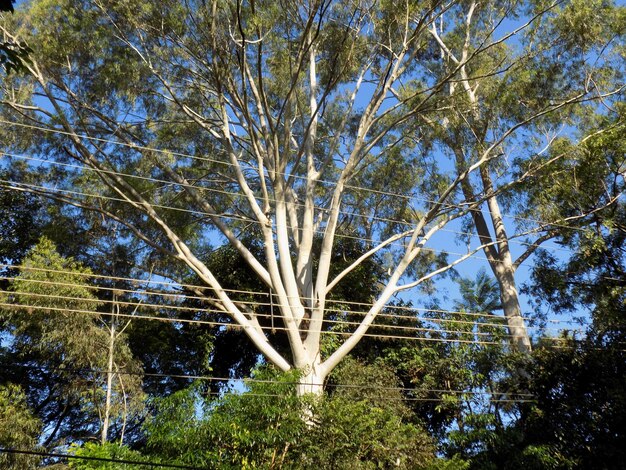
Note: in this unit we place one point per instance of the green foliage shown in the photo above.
(55, 311)
(157, 78)
(108, 450)
(590, 182)
(247, 430)
(576, 419)
(20, 214)
(19, 429)
(263, 427)
(358, 434)
(583, 24)
(13, 55)
(59, 337)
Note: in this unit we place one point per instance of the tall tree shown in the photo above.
(19, 428)
(556, 63)
(76, 368)
(250, 123)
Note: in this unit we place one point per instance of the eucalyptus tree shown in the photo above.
(19, 428)
(252, 123)
(574, 58)
(592, 277)
(76, 369)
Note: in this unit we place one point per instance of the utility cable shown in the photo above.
(253, 168)
(95, 459)
(232, 291)
(380, 336)
(12, 185)
(267, 381)
(267, 329)
(181, 308)
(243, 196)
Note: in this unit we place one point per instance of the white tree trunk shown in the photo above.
(511, 307)
(310, 383)
(107, 402)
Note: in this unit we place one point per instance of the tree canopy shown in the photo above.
(313, 190)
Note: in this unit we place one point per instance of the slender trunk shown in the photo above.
(505, 274)
(504, 271)
(107, 403)
(498, 256)
(125, 413)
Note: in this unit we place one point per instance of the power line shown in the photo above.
(239, 195)
(265, 328)
(256, 314)
(96, 459)
(154, 306)
(229, 164)
(269, 381)
(13, 185)
(232, 291)
(269, 329)
(471, 254)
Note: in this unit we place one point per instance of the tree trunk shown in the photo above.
(505, 275)
(310, 383)
(311, 380)
(107, 403)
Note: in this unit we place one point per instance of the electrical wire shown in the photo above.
(95, 459)
(229, 164)
(237, 326)
(233, 291)
(8, 184)
(270, 329)
(181, 308)
(468, 255)
(403, 328)
(269, 381)
(511, 240)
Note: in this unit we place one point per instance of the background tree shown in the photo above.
(76, 376)
(494, 94)
(19, 428)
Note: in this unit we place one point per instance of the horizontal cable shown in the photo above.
(236, 325)
(265, 381)
(233, 291)
(229, 164)
(511, 240)
(37, 189)
(259, 315)
(95, 459)
(182, 308)
(262, 328)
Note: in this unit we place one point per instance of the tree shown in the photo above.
(577, 414)
(262, 427)
(12, 55)
(593, 276)
(252, 122)
(487, 104)
(76, 368)
(19, 429)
